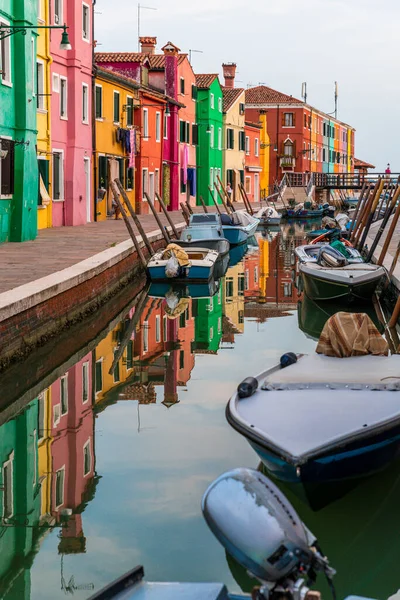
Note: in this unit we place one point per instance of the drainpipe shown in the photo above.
(94, 122)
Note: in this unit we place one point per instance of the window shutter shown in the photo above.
(283, 119)
(195, 135)
(56, 176)
(121, 171)
(187, 132)
(99, 102)
(194, 92)
(294, 149)
(293, 119)
(181, 131)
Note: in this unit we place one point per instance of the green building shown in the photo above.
(18, 102)
(208, 324)
(209, 148)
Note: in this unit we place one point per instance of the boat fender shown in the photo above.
(289, 358)
(247, 387)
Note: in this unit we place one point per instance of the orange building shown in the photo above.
(253, 167)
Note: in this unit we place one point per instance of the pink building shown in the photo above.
(71, 113)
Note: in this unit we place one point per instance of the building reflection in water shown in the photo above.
(47, 452)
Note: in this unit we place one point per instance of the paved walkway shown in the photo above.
(61, 247)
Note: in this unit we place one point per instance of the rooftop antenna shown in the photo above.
(139, 8)
(190, 54)
(336, 98)
(304, 91)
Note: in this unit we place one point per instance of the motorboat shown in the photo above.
(197, 265)
(310, 253)
(304, 213)
(322, 418)
(238, 226)
(204, 231)
(268, 216)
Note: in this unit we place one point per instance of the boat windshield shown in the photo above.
(198, 233)
(206, 219)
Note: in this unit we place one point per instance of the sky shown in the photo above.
(282, 43)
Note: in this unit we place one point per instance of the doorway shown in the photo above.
(86, 162)
(256, 187)
(151, 186)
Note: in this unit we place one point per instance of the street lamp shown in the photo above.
(8, 30)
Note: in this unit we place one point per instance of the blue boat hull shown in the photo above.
(304, 214)
(238, 235)
(193, 273)
(357, 459)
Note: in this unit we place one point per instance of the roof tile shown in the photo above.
(204, 80)
(262, 94)
(230, 96)
(157, 61)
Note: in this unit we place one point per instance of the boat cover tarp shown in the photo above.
(226, 219)
(351, 334)
(181, 255)
(242, 218)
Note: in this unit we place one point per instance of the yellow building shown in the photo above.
(234, 136)
(43, 104)
(116, 97)
(234, 296)
(44, 452)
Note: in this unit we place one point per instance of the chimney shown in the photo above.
(229, 71)
(148, 45)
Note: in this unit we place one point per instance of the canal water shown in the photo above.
(104, 459)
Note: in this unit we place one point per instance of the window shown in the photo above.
(248, 185)
(288, 120)
(229, 176)
(194, 92)
(87, 459)
(241, 284)
(63, 97)
(182, 359)
(241, 108)
(323, 154)
(144, 183)
(85, 103)
(145, 123)
(187, 132)
(247, 144)
(255, 274)
(129, 111)
(8, 495)
(145, 336)
(309, 122)
(39, 85)
(129, 355)
(151, 186)
(56, 83)
(99, 102)
(58, 16)
(211, 100)
(256, 146)
(85, 22)
(158, 127)
(85, 382)
(165, 328)
(305, 120)
(116, 107)
(212, 137)
(99, 376)
(184, 131)
(220, 104)
(58, 175)
(116, 374)
(182, 85)
(212, 178)
(60, 478)
(158, 328)
(64, 394)
(229, 288)
(195, 134)
(241, 140)
(230, 139)
(7, 168)
(288, 148)
(165, 126)
(287, 289)
(157, 181)
(41, 417)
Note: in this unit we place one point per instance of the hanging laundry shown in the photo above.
(118, 134)
(132, 139)
(185, 162)
(191, 176)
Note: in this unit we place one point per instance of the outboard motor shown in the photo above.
(330, 257)
(260, 529)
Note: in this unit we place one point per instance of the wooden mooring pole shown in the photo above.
(228, 210)
(203, 204)
(138, 249)
(214, 200)
(185, 212)
(384, 222)
(228, 198)
(389, 235)
(134, 217)
(246, 200)
(167, 215)
(157, 218)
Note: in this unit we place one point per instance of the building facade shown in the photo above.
(18, 163)
(233, 131)
(253, 168)
(303, 139)
(71, 114)
(210, 136)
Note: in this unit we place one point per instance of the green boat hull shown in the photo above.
(320, 289)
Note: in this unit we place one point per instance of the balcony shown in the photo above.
(287, 162)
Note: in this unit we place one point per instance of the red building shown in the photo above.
(252, 161)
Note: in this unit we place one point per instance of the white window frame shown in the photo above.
(128, 97)
(165, 328)
(95, 107)
(7, 52)
(212, 101)
(62, 186)
(9, 461)
(158, 329)
(64, 381)
(158, 126)
(58, 20)
(212, 137)
(165, 126)
(40, 101)
(55, 83)
(87, 37)
(145, 336)
(145, 179)
(85, 121)
(87, 445)
(99, 360)
(65, 116)
(115, 93)
(247, 188)
(247, 144)
(85, 369)
(219, 138)
(62, 469)
(220, 105)
(56, 414)
(145, 136)
(180, 86)
(256, 146)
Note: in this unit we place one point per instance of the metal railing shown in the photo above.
(350, 180)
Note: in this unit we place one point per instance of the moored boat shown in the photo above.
(238, 226)
(268, 216)
(304, 213)
(204, 231)
(198, 265)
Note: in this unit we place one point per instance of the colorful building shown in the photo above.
(43, 116)
(302, 138)
(210, 130)
(207, 313)
(233, 132)
(233, 299)
(116, 96)
(253, 167)
(71, 114)
(18, 163)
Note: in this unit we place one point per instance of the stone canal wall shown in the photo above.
(32, 313)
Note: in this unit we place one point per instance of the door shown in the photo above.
(87, 189)
(151, 186)
(256, 187)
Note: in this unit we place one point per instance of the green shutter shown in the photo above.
(194, 92)
(116, 108)
(56, 176)
(103, 183)
(182, 131)
(99, 102)
(129, 112)
(195, 135)
(44, 167)
(121, 171)
(187, 138)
